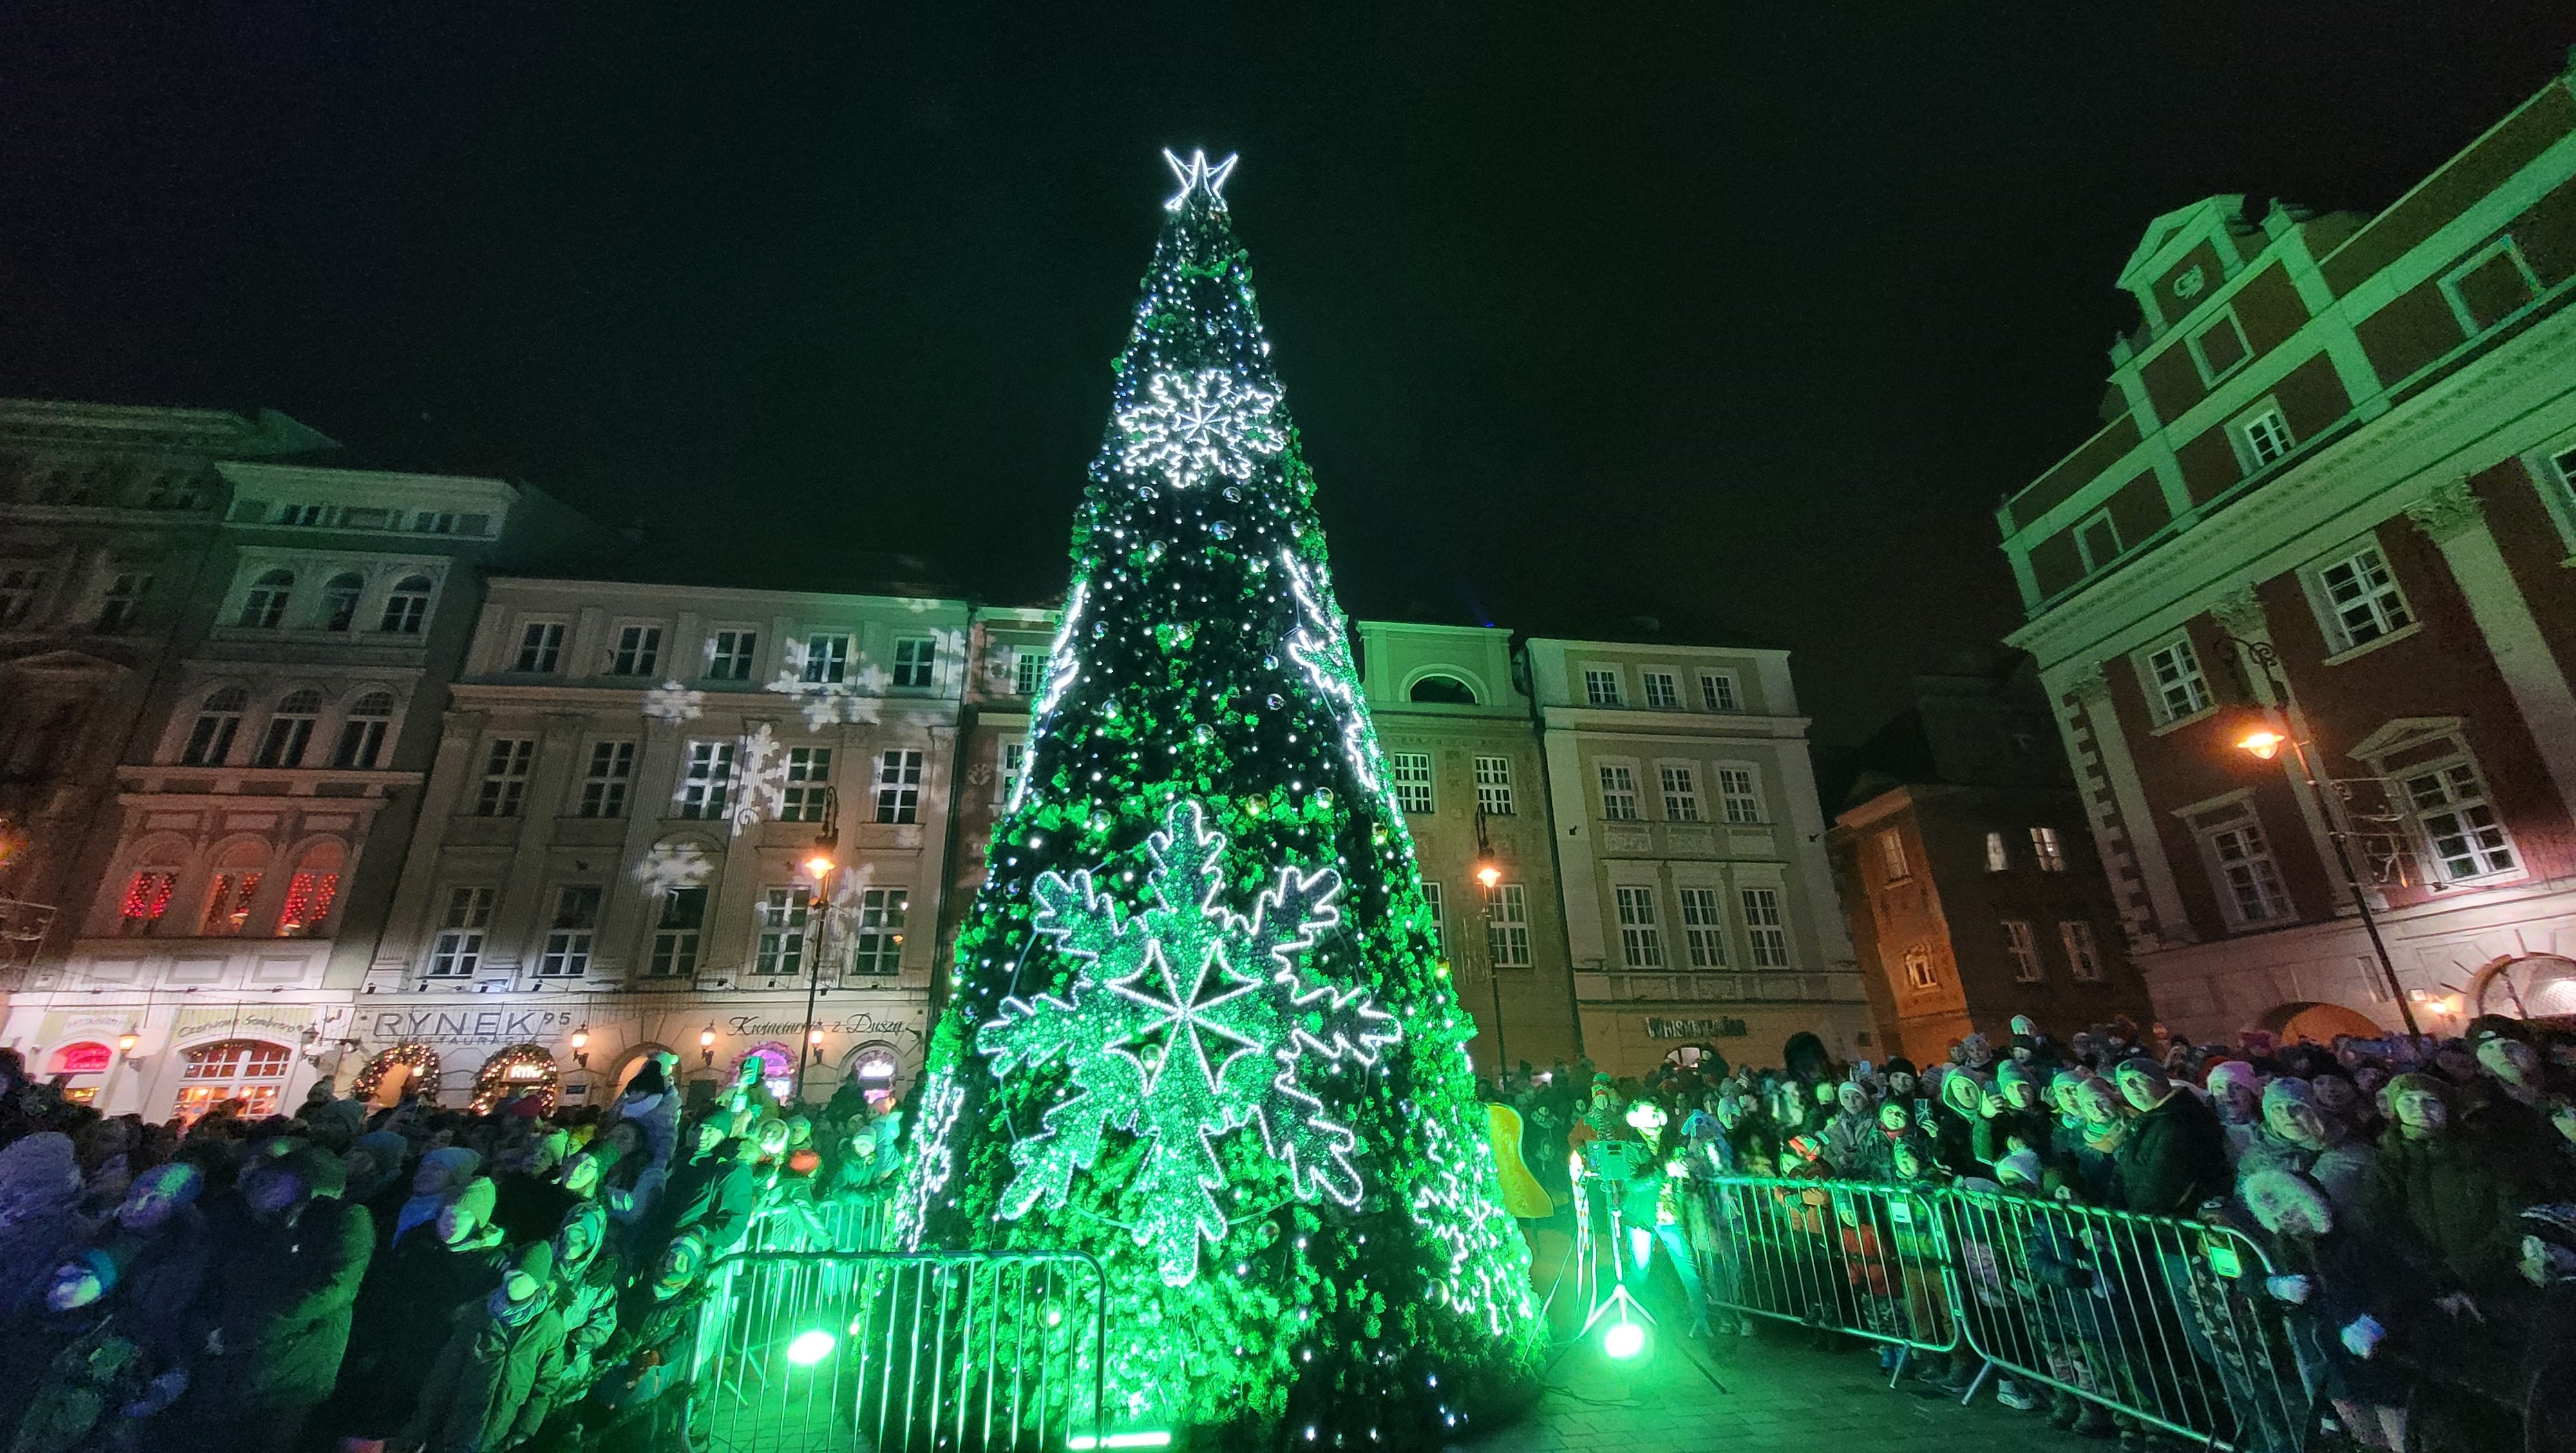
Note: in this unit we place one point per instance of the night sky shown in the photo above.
(1743, 315)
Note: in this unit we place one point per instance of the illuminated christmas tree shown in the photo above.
(1201, 1029)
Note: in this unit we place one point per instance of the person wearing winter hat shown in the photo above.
(2019, 1171)
(2173, 1156)
(280, 1295)
(1851, 1136)
(2236, 1093)
(2357, 1324)
(587, 1276)
(1903, 1080)
(40, 1218)
(2297, 1137)
(443, 1172)
(406, 1310)
(2549, 1336)
(1955, 1119)
(489, 1386)
(2445, 1200)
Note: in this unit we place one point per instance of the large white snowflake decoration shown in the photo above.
(858, 699)
(666, 866)
(1192, 425)
(1186, 1021)
(760, 779)
(673, 702)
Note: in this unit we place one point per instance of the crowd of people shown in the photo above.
(2412, 1199)
(397, 1277)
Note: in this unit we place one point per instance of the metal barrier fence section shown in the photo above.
(1863, 1259)
(2167, 1321)
(833, 1351)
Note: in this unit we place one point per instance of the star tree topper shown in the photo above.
(1186, 1021)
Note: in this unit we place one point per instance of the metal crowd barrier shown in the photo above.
(834, 1224)
(2162, 1320)
(1839, 1255)
(894, 1352)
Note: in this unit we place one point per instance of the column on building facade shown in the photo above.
(2240, 613)
(2454, 520)
(2094, 741)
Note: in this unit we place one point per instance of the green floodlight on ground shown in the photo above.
(1152, 1439)
(810, 1347)
(1624, 1340)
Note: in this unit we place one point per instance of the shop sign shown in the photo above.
(245, 1022)
(1696, 1029)
(62, 1024)
(492, 1027)
(865, 1025)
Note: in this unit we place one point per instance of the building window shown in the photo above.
(123, 603)
(827, 658)
(2491, 286)
(540, 646)
(784, 915)
(2461, 832)
(1618, 794)
(505, 776)
(1703, 928)
(1717, 691)
(1641, 943)
(638, 652)
(2048, 850)
(570, 932)
(1919, 973)
(1601, 688)
(2022, 946)
(1763, 927)
(1494, 786)
(1015, 765)
(913, 658)
(1507, 936)
(340, 600)
(210, 741)
(1439, 921)
(147, 897)
(2097, 541)
(18, 591)
(2266, 436)
(1028, 668)
(228, 900)
(407, 607)
(249, 1070)
(2221, 348)
(706, 781)
(1662, 694)
(676, 932)
(1743, 798)
(899, 786)
(809, 776)
(2180, 689)
(1681, 794)
(876, 943)
(2083, 952)
(1891, 856)
(612, 771)
(362, 736)
(309, 895)
(290, 730)
(458, 950)
(2240, 862)
(1997, 859)
(2562, 464)
(729, 655)
(265, 606)
(2363, 598)
(1411, 774)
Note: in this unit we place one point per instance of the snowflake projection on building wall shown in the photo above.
(673, 702)
(1192, 425)
(668, 866)
(858, 698)
(759, 778)
(1186, 1021)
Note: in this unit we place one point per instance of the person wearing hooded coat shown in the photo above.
(2173, 1157)
(158, 1238)
(640, 1402)
(281, 1298)
(587, 1280)
(40, 1220)
(488, 1390)
(406, 1310)
(442, 1174)
(1955, 1117)
(652, 1107)
(2444, 1200)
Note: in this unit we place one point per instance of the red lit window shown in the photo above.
(308, 902)
(146, 898)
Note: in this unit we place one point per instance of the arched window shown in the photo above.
(266, 605)
(290, 730)
(210, 741)
(147, 893)
(407, 607)
(362, 736)
(1445, 690)
(310, 891)
(249, 1070)
(232, 888)
(340, 599)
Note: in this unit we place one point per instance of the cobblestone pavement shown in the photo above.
(1762, 1394)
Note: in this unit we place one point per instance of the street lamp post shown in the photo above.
(819, 864)
(2265, 744)
(1488, 873)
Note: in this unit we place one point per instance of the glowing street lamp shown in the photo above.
(581, 1046)
(125, 1042)
(819, 864)
(707, 1046)
(2263, 742)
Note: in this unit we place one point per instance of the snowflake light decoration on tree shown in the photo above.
(1185, 1021)
(675, 703)
(1193, 425)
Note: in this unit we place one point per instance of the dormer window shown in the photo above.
(2220, 348)
(265, 606)
(407, 607)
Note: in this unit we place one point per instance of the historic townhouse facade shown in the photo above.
(1699, 903)
(618, 847)
(1969, 875)
(265, 787)
(2379, 413)
(1464, 762)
